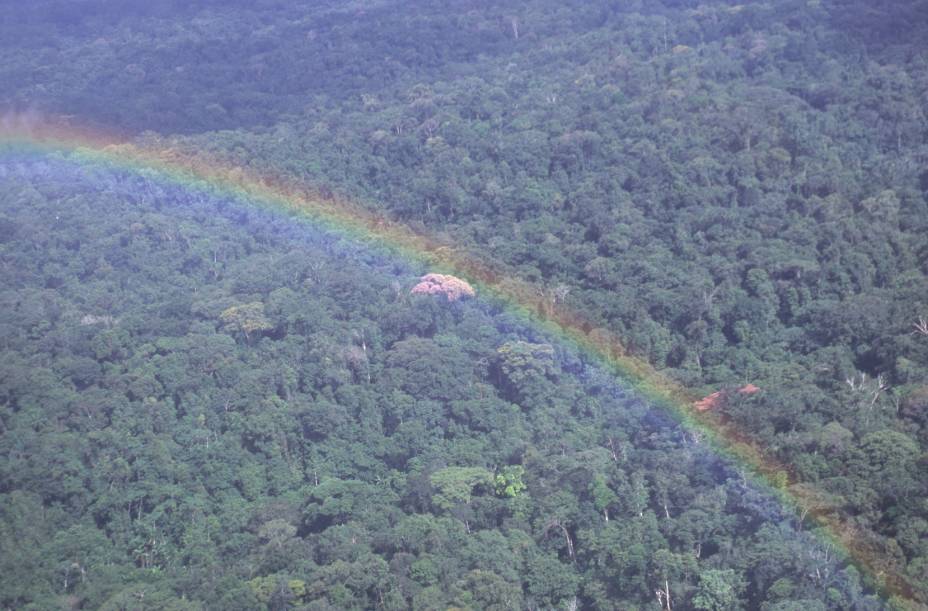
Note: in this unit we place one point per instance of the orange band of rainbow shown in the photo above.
(195, 170)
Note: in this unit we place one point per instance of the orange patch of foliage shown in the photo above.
(709, 402)
(718, 397)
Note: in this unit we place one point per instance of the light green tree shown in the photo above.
(718, 590)
(455, 485)
(247, 318)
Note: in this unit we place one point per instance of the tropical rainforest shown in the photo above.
(207, 403)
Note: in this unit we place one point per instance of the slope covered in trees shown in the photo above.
(205, 406)
(737, 190)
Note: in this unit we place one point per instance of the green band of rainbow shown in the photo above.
(337, 214)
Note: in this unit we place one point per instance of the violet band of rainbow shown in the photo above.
(200, 171)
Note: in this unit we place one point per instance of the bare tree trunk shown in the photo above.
(663, 596)
(570, 544)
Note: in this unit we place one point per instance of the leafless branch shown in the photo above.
(921, 326)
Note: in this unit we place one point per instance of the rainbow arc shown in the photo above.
(333, 213)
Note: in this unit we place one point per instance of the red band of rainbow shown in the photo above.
(172, 162)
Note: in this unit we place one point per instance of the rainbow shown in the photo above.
(171, 161)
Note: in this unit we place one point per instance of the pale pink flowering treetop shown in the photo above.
(441, 284)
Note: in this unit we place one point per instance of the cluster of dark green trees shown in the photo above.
(206, 407)
(740, 191)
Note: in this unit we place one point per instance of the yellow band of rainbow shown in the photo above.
(196, 170)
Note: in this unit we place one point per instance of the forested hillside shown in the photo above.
(203, 406)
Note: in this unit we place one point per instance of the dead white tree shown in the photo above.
(560, 292)
(75, 567)
(708, 296)
(856, 383)
(921, 326)
(869, 391)
(878, 387)
(557, 524)
(617, 450)
(663, 596)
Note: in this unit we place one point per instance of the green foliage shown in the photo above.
(718, 590)
(205, 406)
(455, 485)
(527, 369)
(603, 496)
(247, 318)
(508, 482)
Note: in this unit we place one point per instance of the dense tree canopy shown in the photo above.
(207, 406)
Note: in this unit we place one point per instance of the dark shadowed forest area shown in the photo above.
(208, 404)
